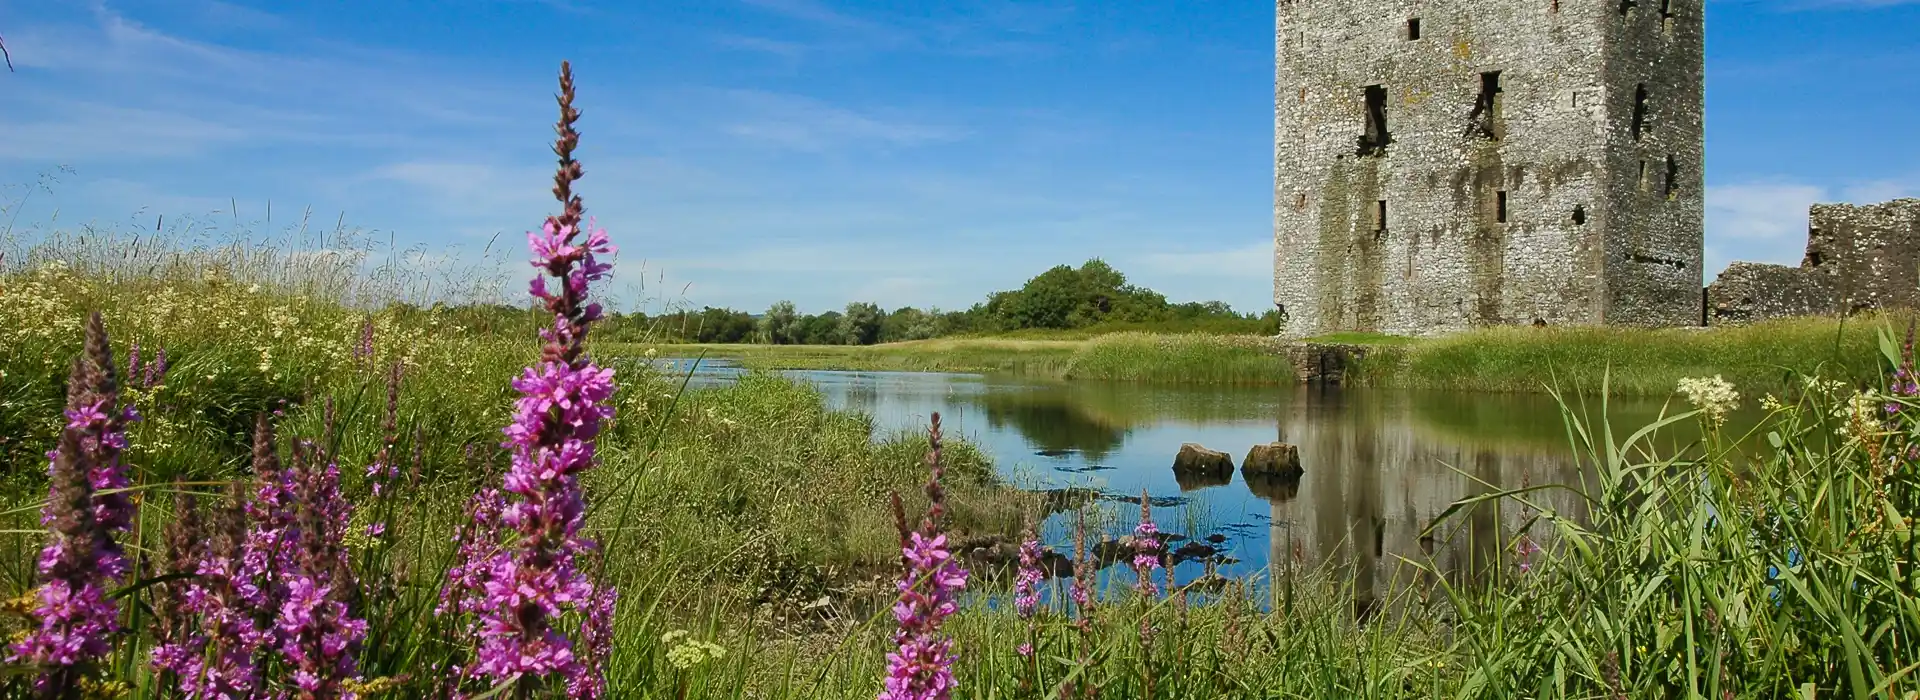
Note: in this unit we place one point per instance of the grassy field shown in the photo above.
(747, 530)
(1757, 358)
(1633, 362)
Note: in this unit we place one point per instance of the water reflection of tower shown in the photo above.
(1335, 521)
(1377, 474)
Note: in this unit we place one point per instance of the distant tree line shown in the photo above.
(1095, 296)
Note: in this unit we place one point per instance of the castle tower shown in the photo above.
(1447, 164)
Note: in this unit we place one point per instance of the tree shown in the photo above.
(823, 329)
(861, 325)
(781, 325)
(719, 325)
(1046, 301)
(908, 323)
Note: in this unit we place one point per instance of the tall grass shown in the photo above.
(1632, 361)
(1133, 357)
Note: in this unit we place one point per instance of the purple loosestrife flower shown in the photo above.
(318, 634)
(1026, 597)
(562, 405)
(155, 371)
(921, 667)
(1026, 594)
(234, 594)
(382, 472)
(76, 618)
(1026, 602)
(218, 658)
(1146, 548)
(363, 350)
(185, 536)
(1523, 553)
(1146, 558)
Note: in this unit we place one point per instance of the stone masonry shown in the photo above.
(1448, 164)
(1859, 257)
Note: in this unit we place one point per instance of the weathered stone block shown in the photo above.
(1195, 457)
(1272, 459)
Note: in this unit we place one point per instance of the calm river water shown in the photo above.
(1379, 465)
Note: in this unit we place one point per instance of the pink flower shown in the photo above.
(75, 619)
(518, 572)
(921, 667)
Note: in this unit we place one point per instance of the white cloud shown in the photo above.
(806, 124)
(1766, 221)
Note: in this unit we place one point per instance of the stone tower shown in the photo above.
(1446, 164)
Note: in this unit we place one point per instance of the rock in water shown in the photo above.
(1195, 456)
(1272, 459)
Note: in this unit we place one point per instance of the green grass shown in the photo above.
(1637, 362)
(1640, 362)
(1692, 569)
(1146, 358)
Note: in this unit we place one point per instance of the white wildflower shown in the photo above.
(1860, 415)
(1714, 397)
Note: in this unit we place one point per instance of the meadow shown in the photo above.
(318, 496)
(1630, 361)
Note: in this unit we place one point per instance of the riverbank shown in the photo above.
(1628, 361)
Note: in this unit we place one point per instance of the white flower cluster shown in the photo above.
(1714, 397)
(1860, 415)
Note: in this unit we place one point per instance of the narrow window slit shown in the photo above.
(1413, 29)
(1626, 7)
(1579, 215)
(1673, 176)
(1639, 110)
(1376, 138)
(1500, 206)
(1486, 109)
(1380, 215)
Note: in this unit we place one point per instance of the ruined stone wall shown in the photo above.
(1859, 257)
(1748, 292)
(1443, 258)
(1869, 254)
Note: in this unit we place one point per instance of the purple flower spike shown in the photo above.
(516, 590)
(1146, 548)
(921, 667)
(76, 620)
(1026, 597)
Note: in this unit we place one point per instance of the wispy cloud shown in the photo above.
(992, 29)
(806, 124)
(1766, 220)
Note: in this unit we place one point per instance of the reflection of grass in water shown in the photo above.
(1535, 422)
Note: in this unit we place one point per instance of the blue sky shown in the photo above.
(744, 151)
